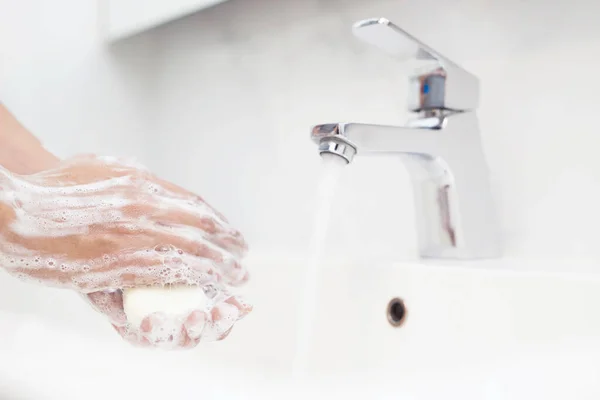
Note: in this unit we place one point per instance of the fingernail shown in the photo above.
(223, 317)
(224, 335)
(195, 323)
(241, 305)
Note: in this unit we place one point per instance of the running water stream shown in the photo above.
(332, 169)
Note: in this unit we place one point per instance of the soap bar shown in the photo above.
(138, 303)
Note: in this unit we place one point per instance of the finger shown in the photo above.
(221, 319)
(194, 324)
(179, 192)
(131, 336)
(134, 269)
(205, 226)
(152, 268)
(164, 331)
(241, 305)
(228, 265)
(176, 243)
(110, 304)
(225, 334)
(103, 261)
(200, 225)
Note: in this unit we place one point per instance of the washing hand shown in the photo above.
(100, 225)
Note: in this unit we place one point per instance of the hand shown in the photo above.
(100, 225)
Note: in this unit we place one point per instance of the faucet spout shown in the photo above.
(455, 215)
(378, 139)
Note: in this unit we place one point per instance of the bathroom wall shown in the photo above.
(239, 86)
(71, 90)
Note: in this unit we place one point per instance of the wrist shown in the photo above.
(20, 151)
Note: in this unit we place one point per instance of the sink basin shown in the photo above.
(468, 333)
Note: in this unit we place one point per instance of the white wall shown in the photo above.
(74, 93)
(126, 18)
(240, 85)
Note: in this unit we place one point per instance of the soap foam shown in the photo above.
(42, 211)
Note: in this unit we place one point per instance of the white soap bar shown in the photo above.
(138, 303)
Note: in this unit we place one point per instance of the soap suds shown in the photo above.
(53, 223)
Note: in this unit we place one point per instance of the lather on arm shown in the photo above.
(99, 225)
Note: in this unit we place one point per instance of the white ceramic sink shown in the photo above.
(469, 333)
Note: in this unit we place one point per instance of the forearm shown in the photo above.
(20, 151)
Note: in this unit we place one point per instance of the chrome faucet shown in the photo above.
(441, 149)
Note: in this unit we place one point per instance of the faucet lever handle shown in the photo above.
(443, 85)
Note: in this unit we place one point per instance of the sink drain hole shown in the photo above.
(396, 312)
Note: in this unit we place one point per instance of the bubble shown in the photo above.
(162, 248)
(86, 268)
(210, 291)
(165, 272)
(180, 251)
